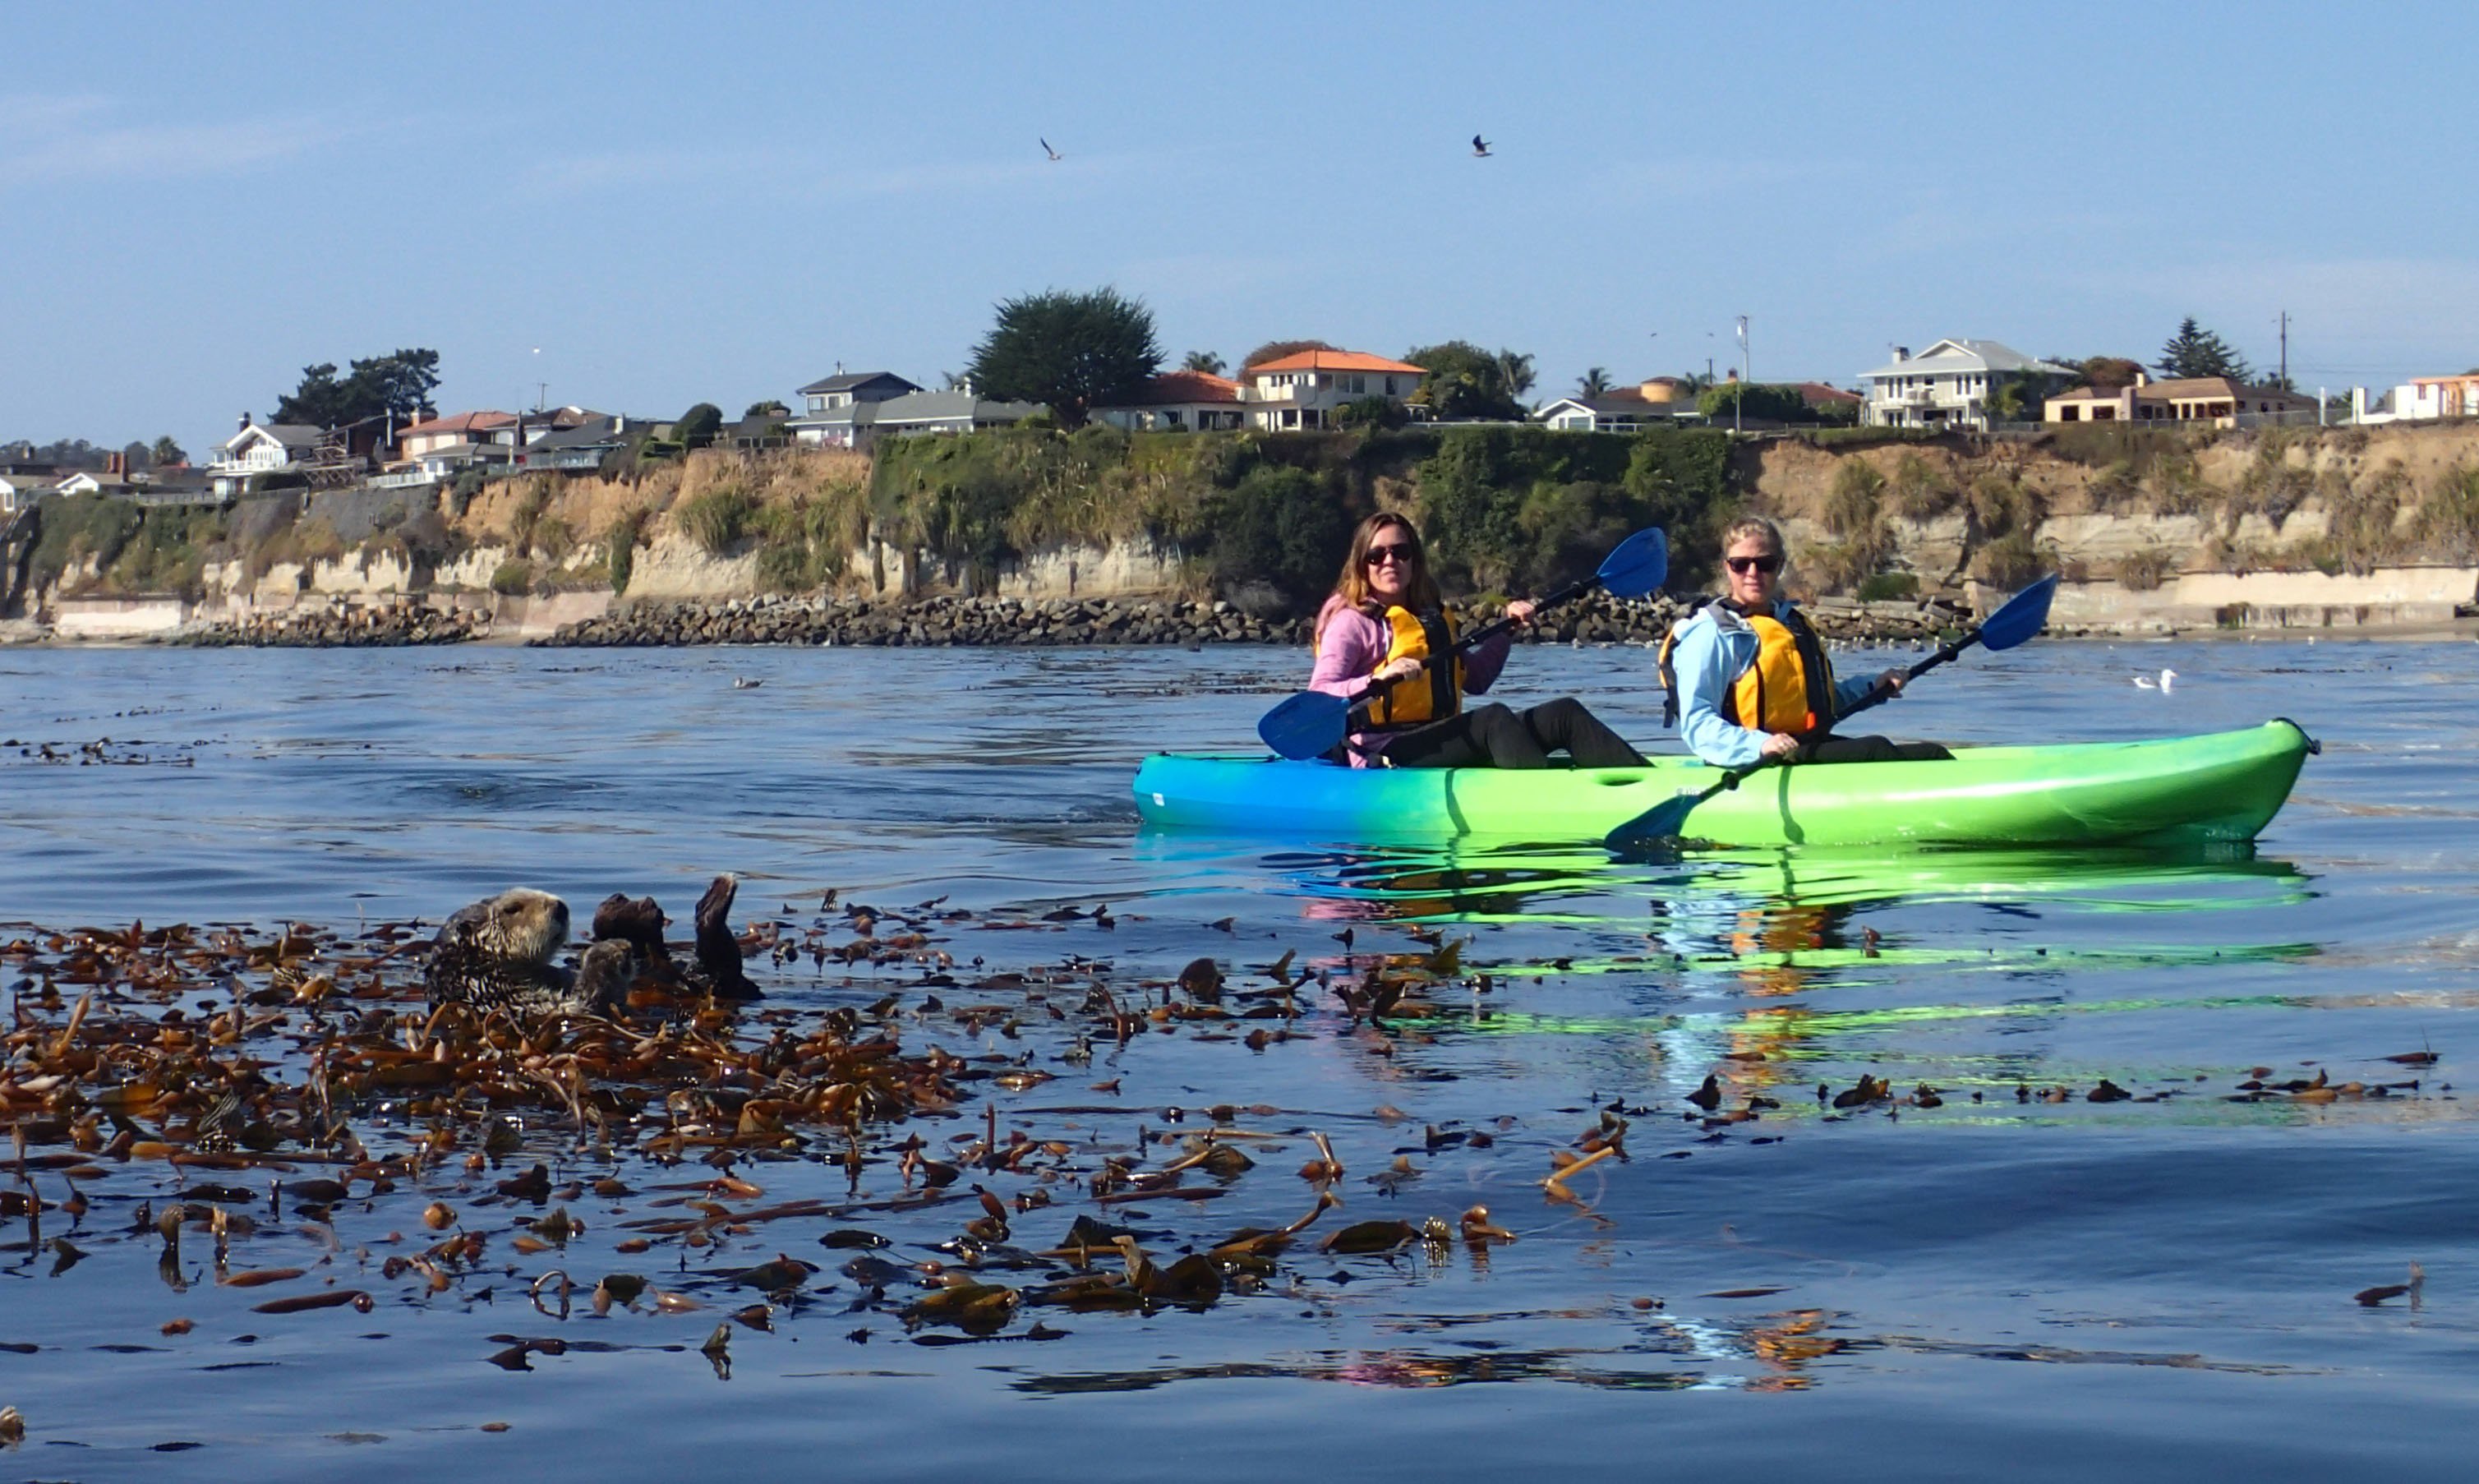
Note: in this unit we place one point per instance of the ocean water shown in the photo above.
(2008, 1282)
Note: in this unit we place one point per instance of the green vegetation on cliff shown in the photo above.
(1504, 508)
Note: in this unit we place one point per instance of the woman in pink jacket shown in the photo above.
(1374, 634)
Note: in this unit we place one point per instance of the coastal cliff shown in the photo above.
(2152, 529)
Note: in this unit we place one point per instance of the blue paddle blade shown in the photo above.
(1639, 565)
(1305, 726)
(2022, 616)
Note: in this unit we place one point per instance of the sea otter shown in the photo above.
(497, 954)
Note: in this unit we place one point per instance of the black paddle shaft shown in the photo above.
(1495, 627)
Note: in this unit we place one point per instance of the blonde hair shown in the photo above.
(1753, 527)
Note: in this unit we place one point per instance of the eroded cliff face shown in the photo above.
(2138, 505)
(2152, 529)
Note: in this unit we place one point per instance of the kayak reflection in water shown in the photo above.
(1748, 679)
(1376, 634)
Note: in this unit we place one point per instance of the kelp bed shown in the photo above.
(880, 1151)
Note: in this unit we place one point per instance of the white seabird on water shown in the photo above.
(2167, 683)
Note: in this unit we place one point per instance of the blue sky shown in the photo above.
(645, 206)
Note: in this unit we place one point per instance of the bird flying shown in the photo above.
(1480, 147)
(1047, 150)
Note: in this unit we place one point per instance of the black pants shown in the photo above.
(1491, 736)
(1871, 750)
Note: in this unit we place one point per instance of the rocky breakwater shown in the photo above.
(1597, 618)
(930, 622)
(374, 625)
(1921, 622)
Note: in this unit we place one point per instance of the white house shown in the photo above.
(1948, 384)
(1659, 402)
(261, 449)
(2421, 399)
(18, 490)
(1178, 401)
(1304, 390)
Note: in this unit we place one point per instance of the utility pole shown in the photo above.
(2285, 349)
(1739, 403)
(542, 389)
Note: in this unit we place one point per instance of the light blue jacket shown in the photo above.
(1714, 648)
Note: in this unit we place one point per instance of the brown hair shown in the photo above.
(1420, 590)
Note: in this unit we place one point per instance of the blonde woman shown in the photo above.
(1749, 680)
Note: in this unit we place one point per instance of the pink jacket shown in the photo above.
(1350, 646)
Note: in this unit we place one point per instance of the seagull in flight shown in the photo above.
(1047, 150)
(1480, 147)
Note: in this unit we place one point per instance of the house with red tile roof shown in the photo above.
(422, 439)
(1177, 401)
(1304, 390)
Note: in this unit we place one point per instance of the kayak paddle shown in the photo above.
(2022, 616)
(1309, 723)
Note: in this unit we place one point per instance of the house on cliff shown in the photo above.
(1660, 401)
(1178, 401)
(2215, 401)
(838, 410)
(942, 412)
(260, 450)
(1948, 385)
(1305, 390)
(2421, 399)
(20, 488)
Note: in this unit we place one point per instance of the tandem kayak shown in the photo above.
(2221, 787)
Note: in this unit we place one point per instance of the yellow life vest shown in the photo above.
(1435, 692)
(1789, 688)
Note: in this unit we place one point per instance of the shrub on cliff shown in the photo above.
(512, 578)
(1280, 525)
(697, 426)
(717, 519)
(74, 527)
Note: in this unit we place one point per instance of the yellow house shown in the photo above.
(2217, 402)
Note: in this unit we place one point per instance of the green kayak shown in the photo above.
(2221, 787)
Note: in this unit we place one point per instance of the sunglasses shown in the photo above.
(1379, 556)
(1768, 564)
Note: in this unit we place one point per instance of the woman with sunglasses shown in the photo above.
(1377, 634)
(1746, 677)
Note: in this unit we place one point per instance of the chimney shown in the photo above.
(2141, 378)
(244, 423)
(1902, 354)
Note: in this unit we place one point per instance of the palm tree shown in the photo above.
(1594, 382)
(1696, 383)
(1204, 361)
(1514, 374)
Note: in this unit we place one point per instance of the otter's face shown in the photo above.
(524, 925)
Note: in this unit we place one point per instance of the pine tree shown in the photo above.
(2196, 351)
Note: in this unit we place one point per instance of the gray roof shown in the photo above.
(1629, 404)
(949, 407)
(292, 435)
(1968, 355)
(595, 432)
(848, 382)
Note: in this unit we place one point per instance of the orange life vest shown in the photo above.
(1435, 692)
(1789, 688)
